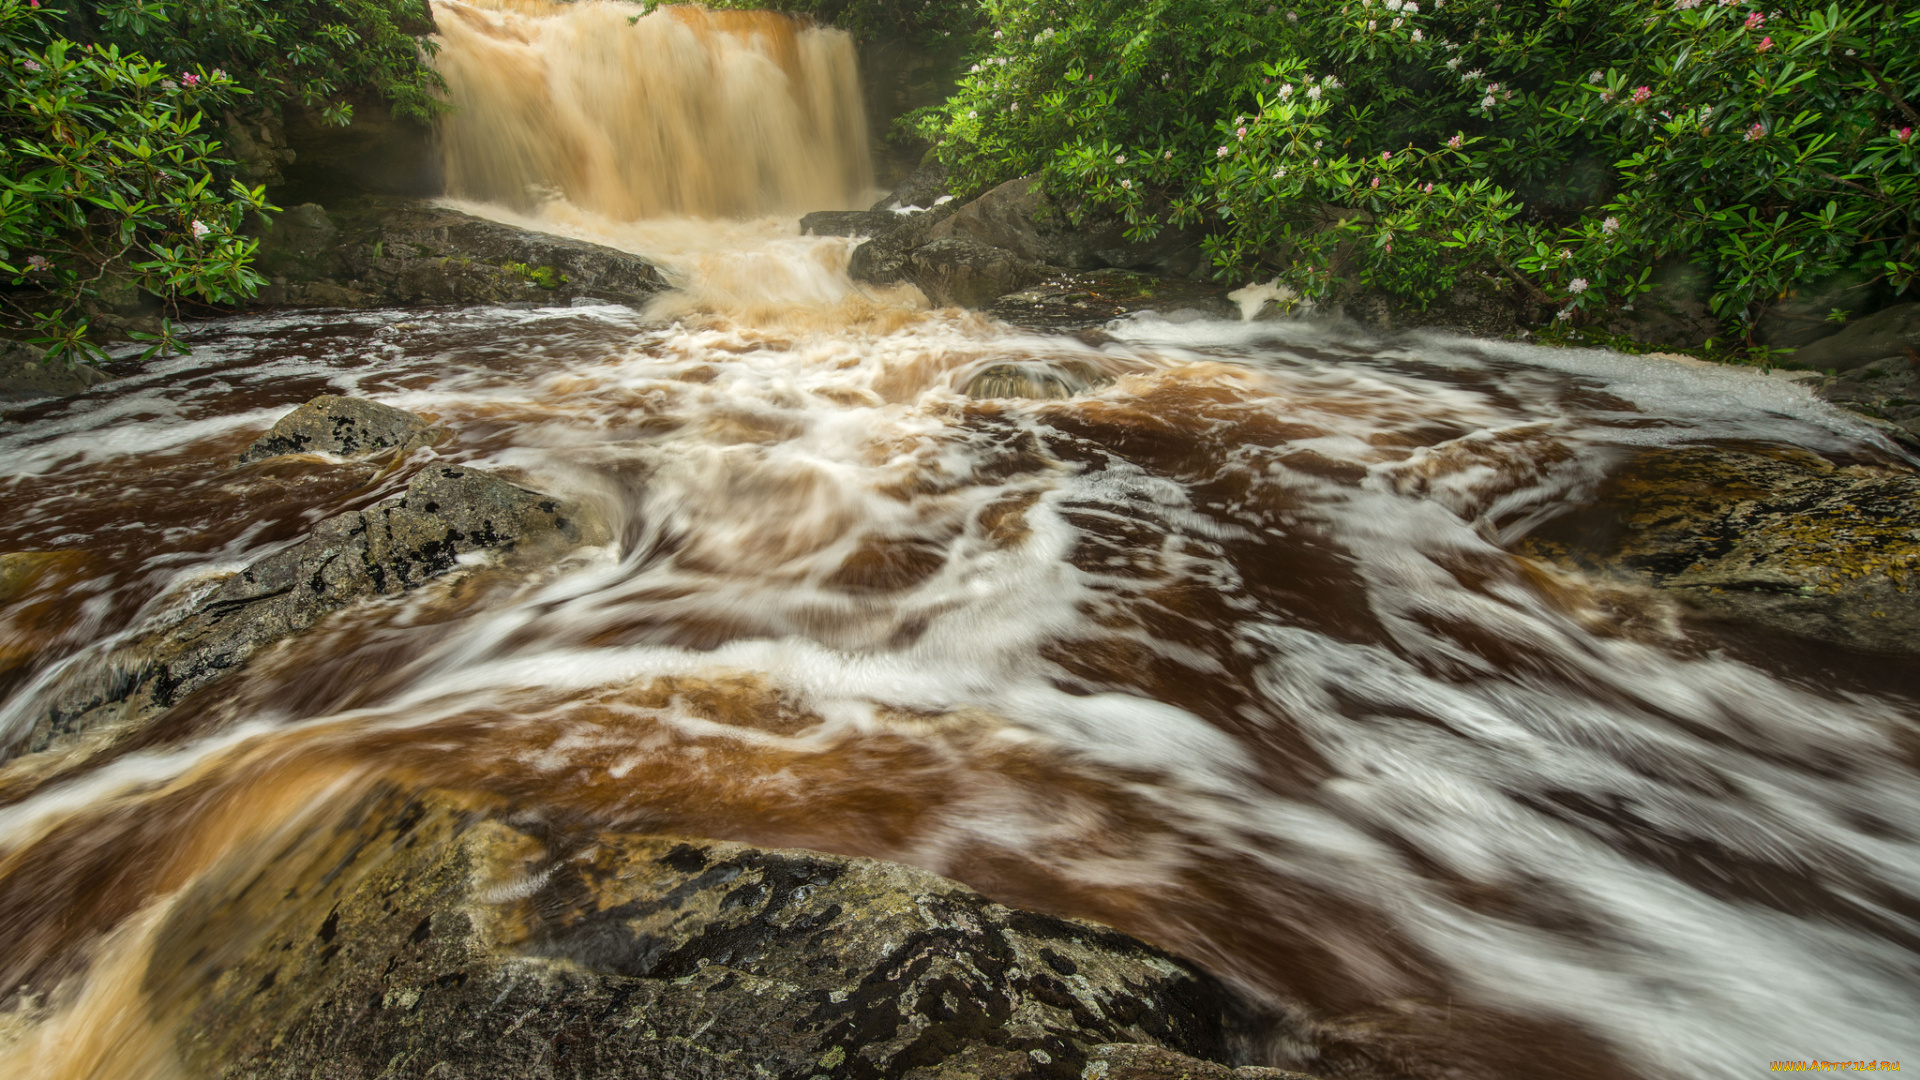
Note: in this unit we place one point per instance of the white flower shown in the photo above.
(1222, 152)
(972, 115)
(1119, 159)
(1487, 102)
(1577, 285)
(1473, 76)
(1397, 22)
(1453, 63)
(1372, 23)
(1565, 255)
(996, 35)
(1313, 92)
(1126, 185)
(200, 229)
(1565, 314)
(1596, 77)
(1293, 16)
(1318, 143)
(1168, 156)
(974, 70)
(1610, 226)
(1286, 92)
(1331, 83)
(1416, 35)
(1280, 172)
(1706, 111)
(1393, 5)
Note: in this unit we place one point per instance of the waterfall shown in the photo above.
(680, 112)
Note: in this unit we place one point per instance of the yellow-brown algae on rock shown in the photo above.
(1776, 537)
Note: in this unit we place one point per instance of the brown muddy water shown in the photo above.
(1230, 653)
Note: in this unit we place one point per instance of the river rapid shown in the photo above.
(1231, 652)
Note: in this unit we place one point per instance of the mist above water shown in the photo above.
(1230, 652)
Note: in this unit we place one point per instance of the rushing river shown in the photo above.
(1230, 652)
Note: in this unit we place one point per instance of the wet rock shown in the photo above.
(1132, 1061)
(962, 273)
(926, 186)
(1887, 391)
(348, 427)
(382, 251)
(1773, 537)
(883, 259)
(1077, 301)
(1801, 318)
(1891, 334)
(426, 937)
(25, 376)
(446, 512)
(1035, 380)
(851, 223)
(1019, 217)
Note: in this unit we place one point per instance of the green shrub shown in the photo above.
(314, 52)
(108, 185)
(1570, 143)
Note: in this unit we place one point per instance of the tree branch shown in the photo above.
(1892, 94)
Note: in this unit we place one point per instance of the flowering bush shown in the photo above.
(107, 184)
(314, 52)
(1568, 143)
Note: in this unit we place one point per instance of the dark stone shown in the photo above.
(1019, 217)
(26, 376)
(1890, 334)
(926, 186)
(446, 511)
(1802, 317)
(605, 954)
(1483, 304)
(348, 427)
(883, 259)
(1887, 391)
(1775, 537)
(962, 273)
(1079, 301)
(383, 251)
(851, 222)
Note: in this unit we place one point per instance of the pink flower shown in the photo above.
(1429, 188)
(1386, 155)
(1766, 43)
(1641, 93)
(190, 79)
(1757, 131)
(1455, 143)
(1577, 285)
(1222, 152)
(1755, 20)
(1905, 134)
(1240, 133)
(37, 263)
(1376, 181)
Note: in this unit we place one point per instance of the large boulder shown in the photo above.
(1019, 217)
(446, 512)
(961, 273)
(427, 935)
(383, 251)
(926, 186)
(1890, 334)
(347, 427)
(1767, 536)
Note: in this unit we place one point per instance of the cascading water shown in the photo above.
(1225, 653)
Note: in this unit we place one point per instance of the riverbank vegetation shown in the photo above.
(1570, 145)
(113, 183)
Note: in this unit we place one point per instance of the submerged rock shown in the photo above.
(349, 427)
(1035, 380)
(445, 513)
(1079, 301)
(422, 938)
(1768, 536)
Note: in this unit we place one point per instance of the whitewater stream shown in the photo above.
(1230, 652)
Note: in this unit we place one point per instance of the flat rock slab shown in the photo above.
(348, 427)
(1772, 536)
(25, 376)
(421, 938)
(961, 273)
(1892, 334)
(398, 545)
(1080, 301)
(851, 223)
(1885, 390)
